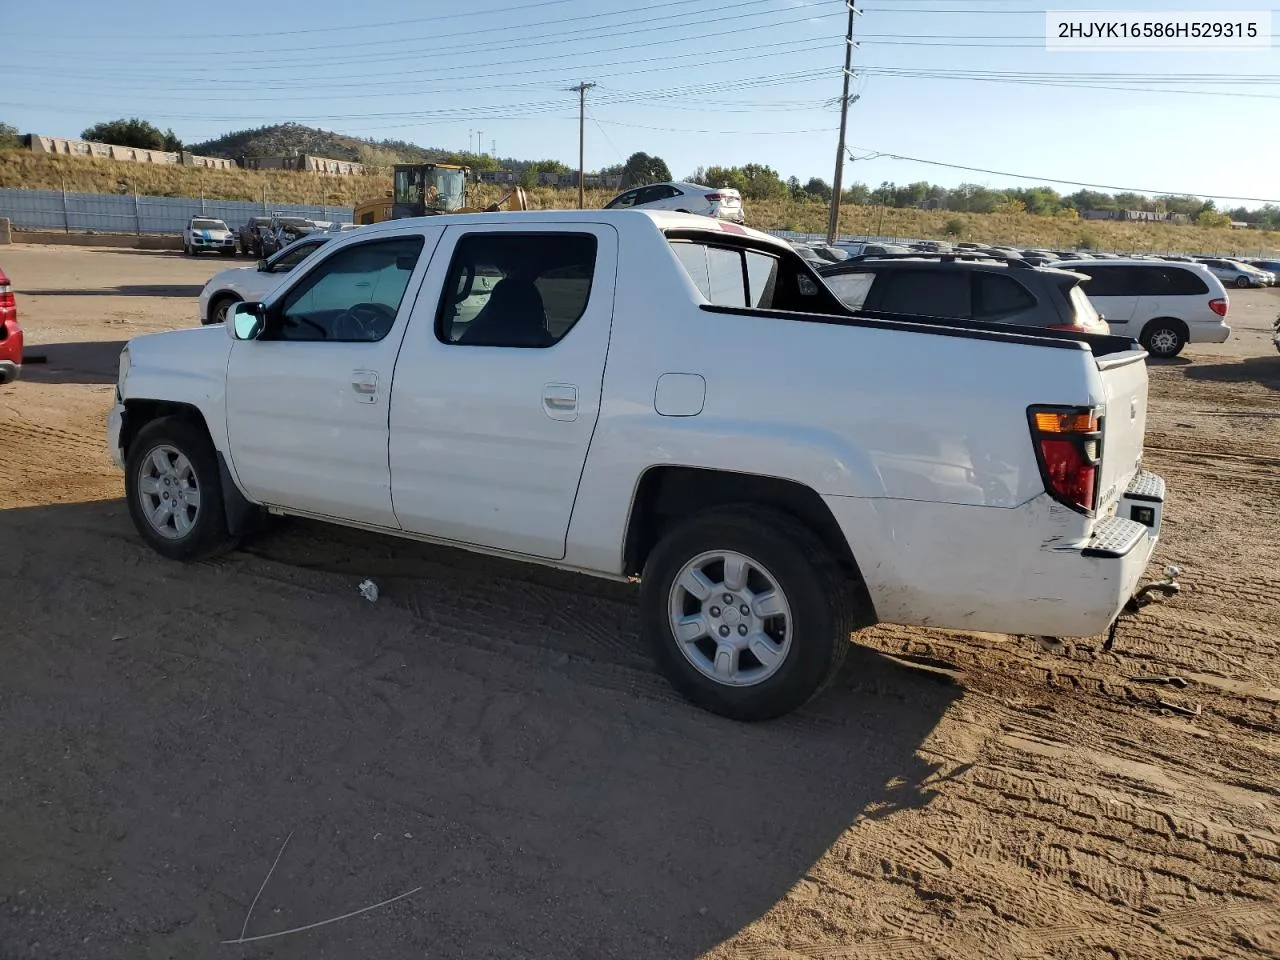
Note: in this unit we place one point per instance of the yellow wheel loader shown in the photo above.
(427, 189)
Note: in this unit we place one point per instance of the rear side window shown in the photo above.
(923, 293)
(516, 290)
(1175, 282)
(997, 295)
(851, 288)
(729, 277)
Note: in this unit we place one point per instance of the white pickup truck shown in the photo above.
(665, 398)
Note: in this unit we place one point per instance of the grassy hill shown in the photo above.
(288, 138)
(25, 170)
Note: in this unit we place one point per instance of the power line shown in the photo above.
(289, 33)
(606, 32)
(801, 46)
(1070, 183)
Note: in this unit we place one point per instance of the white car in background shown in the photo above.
(1161, 304)
(206, 233)
(224, 290)
(1235, 274)
(722, 203)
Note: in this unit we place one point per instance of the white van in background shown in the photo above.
(1163, 305)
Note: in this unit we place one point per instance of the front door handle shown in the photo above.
(365, 385)
(560, 401)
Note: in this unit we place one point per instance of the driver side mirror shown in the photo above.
(262, 266)
(248, 320)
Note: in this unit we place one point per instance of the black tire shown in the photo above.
(219, 306)
(824, 605)
(1243, 283)
(208, 536)
(1164, 338)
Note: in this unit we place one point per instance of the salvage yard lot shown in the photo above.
(498, 737)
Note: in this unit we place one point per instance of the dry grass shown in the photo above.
(24, 170)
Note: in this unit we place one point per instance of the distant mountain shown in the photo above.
(286, 139)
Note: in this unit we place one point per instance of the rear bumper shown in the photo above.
(1208, 332)
(999, 570)
(9, 371)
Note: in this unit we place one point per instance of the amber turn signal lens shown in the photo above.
(1047, 422)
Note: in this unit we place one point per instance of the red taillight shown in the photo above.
(1068, 449)
(714, 196)
(6, 292)
(1219, 306)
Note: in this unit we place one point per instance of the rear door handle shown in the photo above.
(560, 401)
(365, 385)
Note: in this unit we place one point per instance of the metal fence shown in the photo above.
(130, 213)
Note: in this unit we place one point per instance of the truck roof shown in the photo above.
(662, 219)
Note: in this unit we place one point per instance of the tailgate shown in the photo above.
(1124, 424)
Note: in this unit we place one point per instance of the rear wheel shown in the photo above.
(746, 612)
(1164, 338)
(174, 490)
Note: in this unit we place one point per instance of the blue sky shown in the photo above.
(694, 81)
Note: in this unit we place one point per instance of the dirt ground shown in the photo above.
(496, 739)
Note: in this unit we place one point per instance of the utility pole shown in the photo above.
(581, 90)
(837, 186)
(479, 143)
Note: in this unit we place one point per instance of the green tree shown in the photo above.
(641, 169)
(1211, 218)
(955, 227)
(794, 188)
(9, 137)
(127, 133)
(817, 187)
(763, 183)
(171, 141)
(724, 177)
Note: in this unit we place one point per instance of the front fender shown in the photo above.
(185, 367)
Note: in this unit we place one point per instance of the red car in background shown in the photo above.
(10, 334)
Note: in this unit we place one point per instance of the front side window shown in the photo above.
(627, 199)
(516, 290)
(353, 296)
(295, 254)
(1104, 281)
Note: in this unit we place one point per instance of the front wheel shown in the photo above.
(1243, 282)
(174, 490)
(220, 307)
(746, 612)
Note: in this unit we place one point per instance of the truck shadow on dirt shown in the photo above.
(1261, 370)
(501, 741)
(91, 362)
(126, 290)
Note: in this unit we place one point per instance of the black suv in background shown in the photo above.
(985, 289)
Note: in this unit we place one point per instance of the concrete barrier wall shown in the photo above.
(126, 241)
(62, 146)
(127, 214)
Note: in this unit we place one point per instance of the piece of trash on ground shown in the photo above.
(369, 590)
